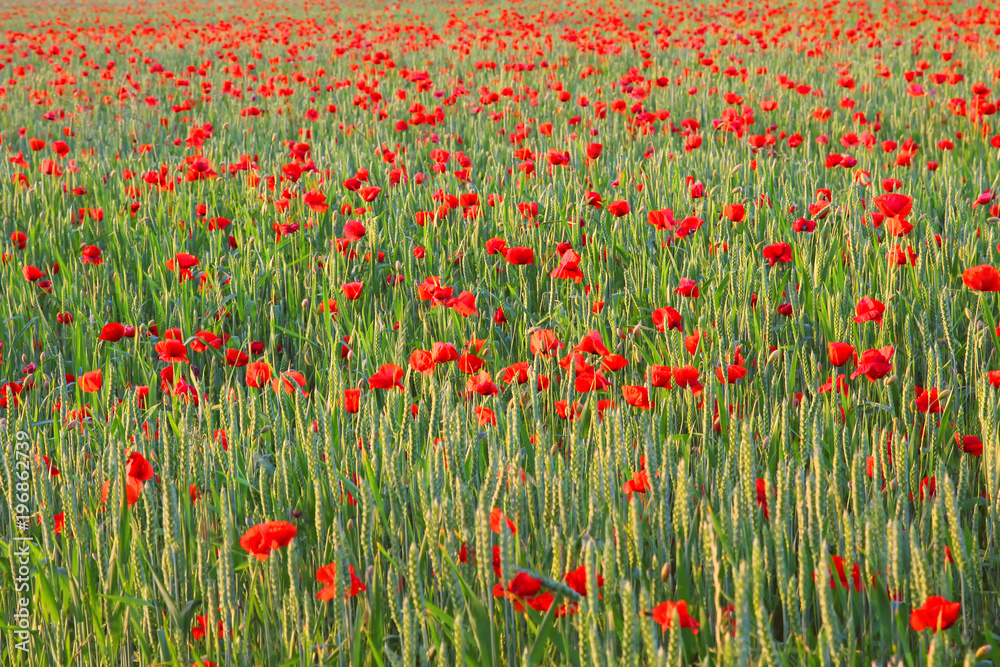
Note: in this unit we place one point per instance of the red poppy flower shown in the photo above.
(869, 310)
(520, 256)
(172, 351)
(352, 400)
(894, 205)
(262, 539)
(328, 575)
(619, 208)
(638, 484)
(666, 318)
(778, 252)
(543, 342)
(734, 212)
(91, 254)
(290, 382)
(839, 353)
(485, 416)
(936, 613)
(664, 613)
(316, 201)
(90, 382)
(388, 376)
(352, 290)
(874, 364)
(258, 374)
(982, 278)
(761, 489)
(139, 468)
(421, 361)
(496, 519)
(112, 332)
(969, 444)
(443, 352)
(636, 396)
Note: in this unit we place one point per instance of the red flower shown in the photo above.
(352, 400)
(172, 351)
(868, 310)
(664, 612)
(619, 208)
(936, 613)
(262, 539)
(734, 212)
(421, 361)
(112, 332)
(258, 374)
(761, 487)
(666, 318)
(577, 580)
(982, 278)
(894, 205)
(496, 519)
(388, 376)
(969, 444)
(778, 252)
(519, 255)
(290, 382)
(636, 396)
(90, 382)
(328, 575)
(874, 364)
(352, 290)
(544, 342)
(138, 468)
(839, 353)
(316, 201)
(638, 484)
(91, 254)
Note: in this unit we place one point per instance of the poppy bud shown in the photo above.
(305, 303)
(665, 573)
(983, 650)
(889, 381)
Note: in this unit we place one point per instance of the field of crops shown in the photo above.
(500, 334)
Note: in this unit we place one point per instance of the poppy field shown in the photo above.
(519, 333)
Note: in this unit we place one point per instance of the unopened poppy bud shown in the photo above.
(24, 358)
(983, 650)
(350, 524)
(305, 303)
(773, 357)
(767, 442)
(370, 574)
(41, 357)
(225, 126)
(943, 395)
(665, 572)
(889, 381)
